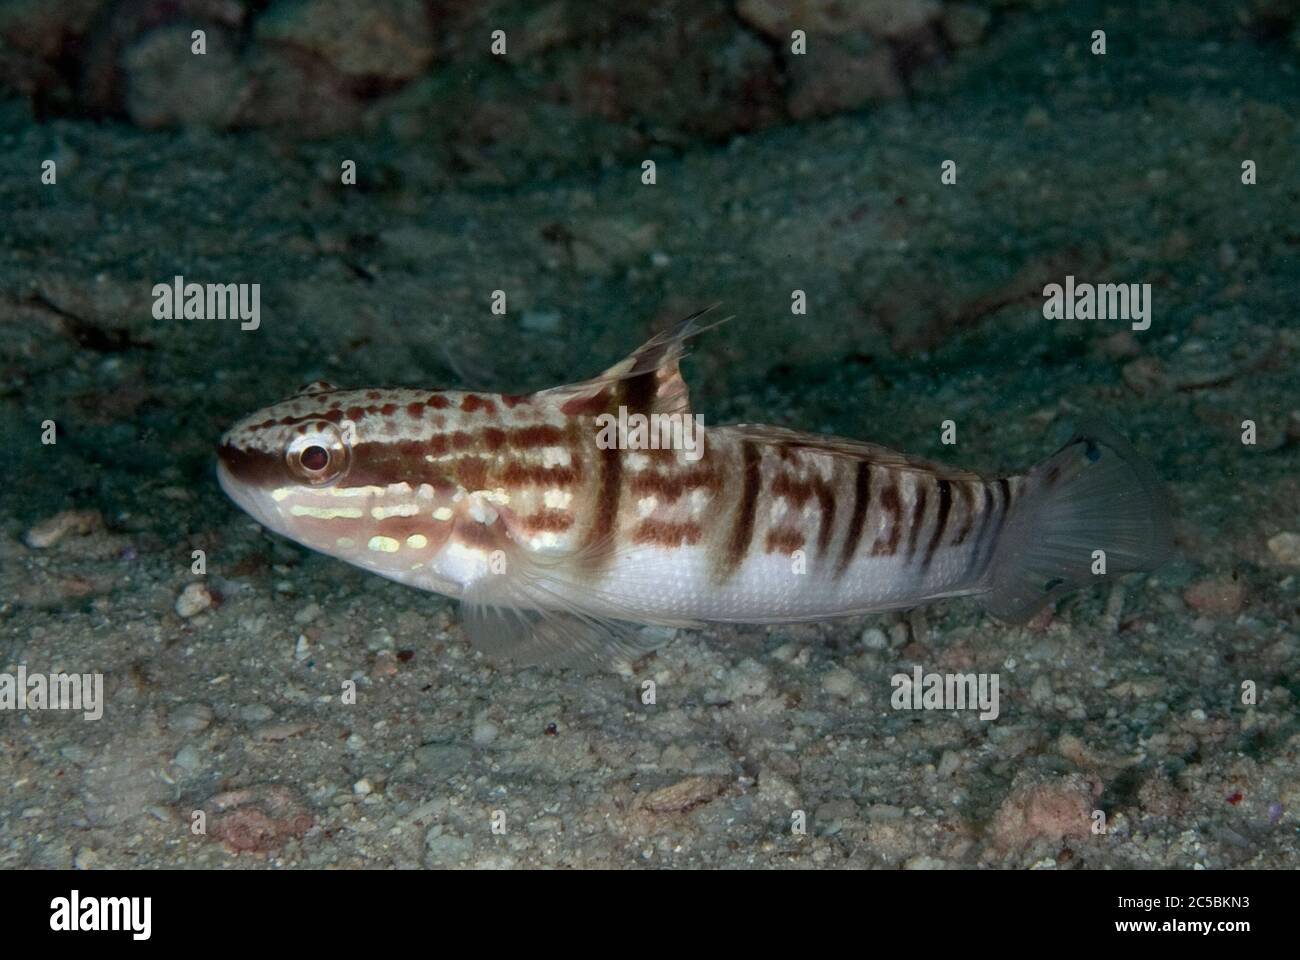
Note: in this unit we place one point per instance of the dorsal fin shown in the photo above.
(650, 378)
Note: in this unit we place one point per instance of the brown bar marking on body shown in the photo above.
(670, 487)
(887, 544)
(609, 493)
(918, 514)
(857, 517)
(825, 500)
(940, 522)
(471, 473)
(1002, 505)
(639, 392)
(586, 406)
(666, 533)
(981, 536)
(798, 491)
(538, 435)
(1004, 486)
(785, 540)
(968, 511)
(381, 463)
(742, 530)
(547, 520)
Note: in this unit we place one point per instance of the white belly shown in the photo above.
(679, 583)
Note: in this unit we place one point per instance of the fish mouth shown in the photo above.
(244, 497)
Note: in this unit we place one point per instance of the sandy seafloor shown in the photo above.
(925, 305)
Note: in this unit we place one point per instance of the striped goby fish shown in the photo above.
(561, 544)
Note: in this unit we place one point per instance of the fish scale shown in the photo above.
(558, 541)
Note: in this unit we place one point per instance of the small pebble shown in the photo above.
(1041, 689)
(484, 733)
(949, 762)
(1285, 547)
(87, 858)
(193, 600)
(923, 862)
(442, 759)
(187, 758)
(53, 529)
(1216, 597)
(307, 614)
(873, 638)
(191, 718)
(898, 635)
(838, 682)
(275, 732)
(255, 713)
(683, 795)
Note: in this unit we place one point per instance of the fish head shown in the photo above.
(345, 473)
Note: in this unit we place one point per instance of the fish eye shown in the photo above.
(315, 458)
(318, 455)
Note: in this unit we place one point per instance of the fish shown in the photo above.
(574, 527)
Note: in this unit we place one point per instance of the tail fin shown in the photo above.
(1094, 494)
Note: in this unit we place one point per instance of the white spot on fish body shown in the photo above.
(556, 498)
(556, 457)
(397, 510)
(324, 513)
